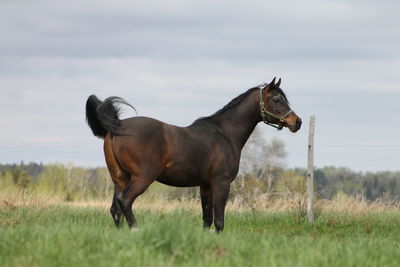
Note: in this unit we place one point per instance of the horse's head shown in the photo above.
(275, 109)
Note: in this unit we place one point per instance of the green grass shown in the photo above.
(76, 236)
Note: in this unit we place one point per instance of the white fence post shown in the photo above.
(310, 174)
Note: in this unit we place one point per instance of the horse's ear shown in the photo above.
(272, 83)
(278, 83)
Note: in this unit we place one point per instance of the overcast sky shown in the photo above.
(180, 60)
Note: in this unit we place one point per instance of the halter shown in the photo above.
(264, 112)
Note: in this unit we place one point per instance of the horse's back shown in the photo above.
(139, 126)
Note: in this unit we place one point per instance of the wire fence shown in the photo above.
(286, 145)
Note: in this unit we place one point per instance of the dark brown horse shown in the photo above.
(140, 150)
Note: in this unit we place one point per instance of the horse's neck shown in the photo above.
(239, 122)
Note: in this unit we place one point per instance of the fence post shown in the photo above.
(310, 173)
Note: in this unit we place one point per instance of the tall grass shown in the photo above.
(156, 199)
(85, 236)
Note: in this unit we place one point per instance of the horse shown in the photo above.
(141, 150)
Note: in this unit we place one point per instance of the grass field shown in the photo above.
(64, 235)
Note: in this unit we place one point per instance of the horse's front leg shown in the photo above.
(220, 191)
(206, 205)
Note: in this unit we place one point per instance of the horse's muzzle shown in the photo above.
(296, 126)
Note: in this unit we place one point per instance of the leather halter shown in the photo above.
(264, 112)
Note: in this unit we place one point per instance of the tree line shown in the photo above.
(262, 171)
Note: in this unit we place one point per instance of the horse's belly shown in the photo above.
(183, 170)
(179, 181)
(176, 174)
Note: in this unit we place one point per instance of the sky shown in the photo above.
(177, 61)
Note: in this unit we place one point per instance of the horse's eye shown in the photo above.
(276, 98)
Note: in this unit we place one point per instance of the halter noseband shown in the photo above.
(264, 112)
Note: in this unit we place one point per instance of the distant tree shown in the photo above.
(20, 177)
(262, 159)
(53, 179)
(261, 164)
(101, 183)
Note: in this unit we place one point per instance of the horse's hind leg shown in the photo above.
(116, 210)
(120, 178)
(133, 189)
(206, 205)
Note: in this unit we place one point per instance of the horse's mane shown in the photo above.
(233, 103)
(237, 100)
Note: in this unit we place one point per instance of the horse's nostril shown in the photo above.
(298, 123)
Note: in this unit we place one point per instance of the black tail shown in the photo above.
(103, 117)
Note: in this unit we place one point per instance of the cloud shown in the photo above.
(181, 60)
(181, 30)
